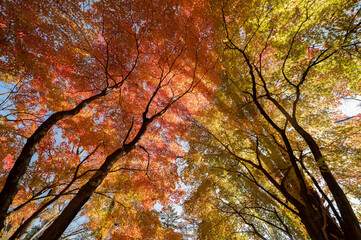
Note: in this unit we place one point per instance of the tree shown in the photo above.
(169, 218)
(266, 150)
(96, 95)
(90, 83)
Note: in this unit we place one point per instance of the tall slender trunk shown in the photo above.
(21, 164)
(318, 220)
(349, 223)
(25, 230)
(71, 210)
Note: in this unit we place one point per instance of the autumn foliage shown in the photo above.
(91, 81)
(226, 107)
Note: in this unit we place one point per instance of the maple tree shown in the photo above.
(269, 149)
(90, 83)
(96, 97)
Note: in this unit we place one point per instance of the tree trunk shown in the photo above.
(29, 222)
(71, 210)
(349, 223)
(25, 230)
(11, 186)
(318, 220)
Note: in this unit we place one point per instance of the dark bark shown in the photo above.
(68, 214)
(349, 222)
(12, 183)
(71, 210)
(317, 219)
(29, 222)
(25, 230)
